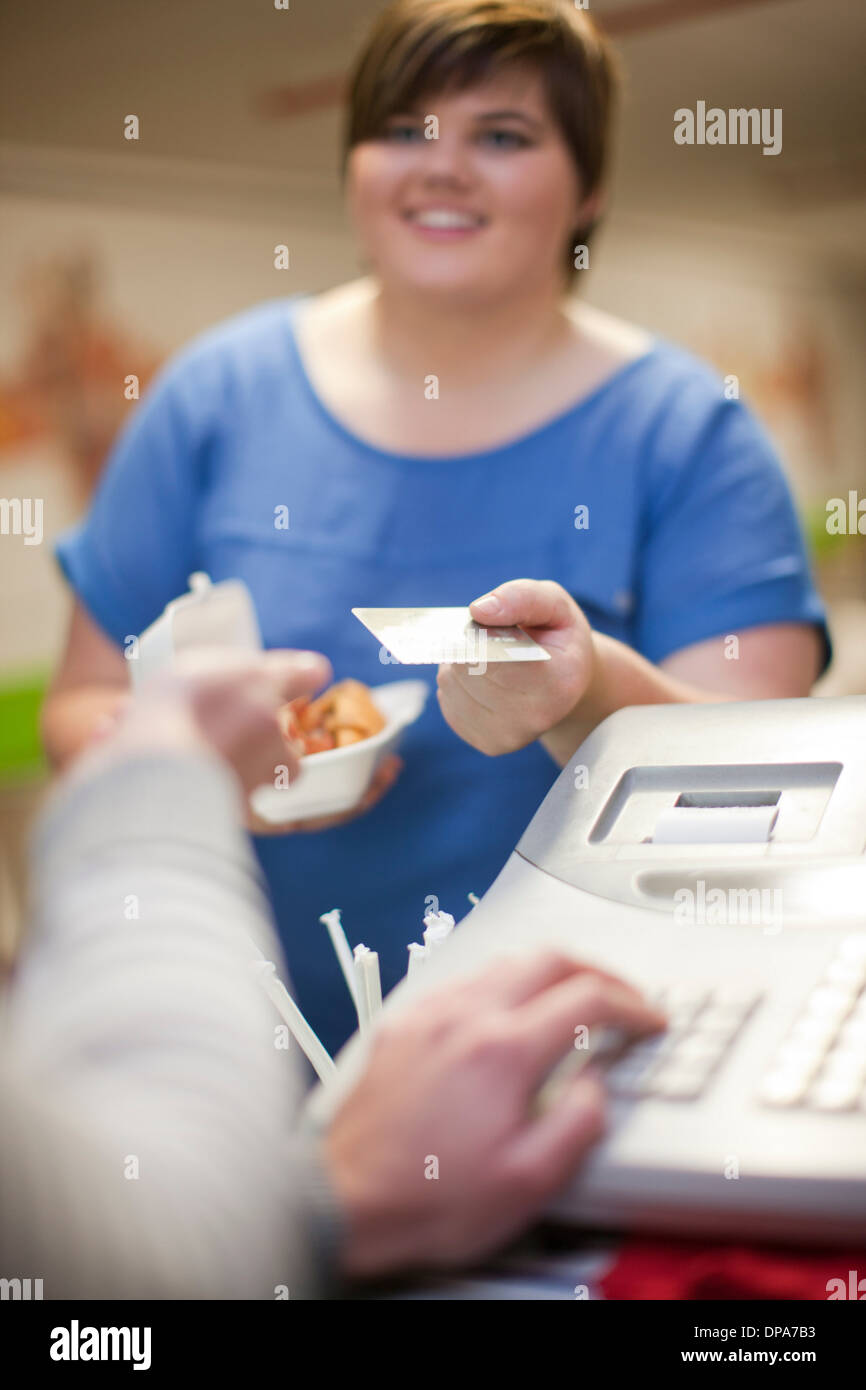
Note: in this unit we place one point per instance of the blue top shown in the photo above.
(692, 534)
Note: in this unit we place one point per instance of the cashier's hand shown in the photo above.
(441, 1154)
(229, 701)
(509, 706)
(223, 701)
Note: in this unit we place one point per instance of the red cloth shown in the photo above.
(683, 1269)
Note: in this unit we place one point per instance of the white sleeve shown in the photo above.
(147, 1148)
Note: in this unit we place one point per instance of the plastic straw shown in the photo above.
(343, 952)
(417, 957)
(312, 1047)
(362, 988)
(374, 984)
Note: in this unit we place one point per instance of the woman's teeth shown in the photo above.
(444, 218)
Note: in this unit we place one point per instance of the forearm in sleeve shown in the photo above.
(148, 1147)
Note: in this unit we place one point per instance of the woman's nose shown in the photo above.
(447, 160)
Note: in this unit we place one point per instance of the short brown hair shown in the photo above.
(418, 48)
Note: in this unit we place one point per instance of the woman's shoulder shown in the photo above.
(250, 330)
(245, 343)
(224, 362)
(681, 413)
(663, 397)
(617, 343)
(610, 338)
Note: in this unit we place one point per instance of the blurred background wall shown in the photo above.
(114, 252)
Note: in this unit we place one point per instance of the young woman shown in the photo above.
(444, 424)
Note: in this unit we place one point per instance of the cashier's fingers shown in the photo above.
(542, 1157)
(277, 676)
(546, 1027)
(296, 673)
(233, 698)
(513, 980)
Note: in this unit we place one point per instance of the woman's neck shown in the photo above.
(417, 335)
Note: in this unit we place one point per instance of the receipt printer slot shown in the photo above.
(711, 800)
(776, 803)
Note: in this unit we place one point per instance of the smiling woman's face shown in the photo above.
(483, 211)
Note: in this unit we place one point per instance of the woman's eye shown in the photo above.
(403, 133)
(505, 139)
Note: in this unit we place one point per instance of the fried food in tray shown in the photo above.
(343, 714)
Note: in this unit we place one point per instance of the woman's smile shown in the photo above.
(441, 222)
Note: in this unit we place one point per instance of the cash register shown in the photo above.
(713, 855)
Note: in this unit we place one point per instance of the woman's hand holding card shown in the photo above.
(506, 706)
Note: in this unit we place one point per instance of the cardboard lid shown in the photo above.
(209, 615)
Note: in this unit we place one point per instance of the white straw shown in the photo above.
(343, 952)
(374, 983)
(300, 1029)
(362, 988)
(417, 957)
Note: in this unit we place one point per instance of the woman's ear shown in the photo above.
(592, 208)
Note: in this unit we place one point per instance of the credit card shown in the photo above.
(446, 636)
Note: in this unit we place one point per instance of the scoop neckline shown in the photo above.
(521, 441)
